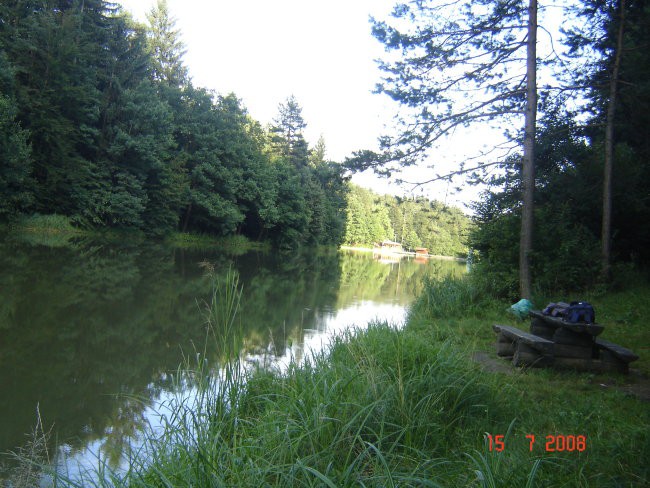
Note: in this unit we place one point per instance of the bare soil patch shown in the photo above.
(635, 384)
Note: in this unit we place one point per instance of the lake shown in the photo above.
(92, 332)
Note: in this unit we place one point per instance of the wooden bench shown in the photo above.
(526, 349)
(619, 351)
(617, 357)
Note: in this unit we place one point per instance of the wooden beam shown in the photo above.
(517, 335)
(620, 352)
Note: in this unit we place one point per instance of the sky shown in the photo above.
(320, 51)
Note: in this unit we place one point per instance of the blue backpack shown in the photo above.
(580, 312)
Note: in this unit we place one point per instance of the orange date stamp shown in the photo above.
(551, 443)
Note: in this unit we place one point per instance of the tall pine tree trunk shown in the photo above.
(606, 228)
(528, 163)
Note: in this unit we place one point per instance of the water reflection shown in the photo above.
(90, 332)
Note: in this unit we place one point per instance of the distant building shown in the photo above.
(390, 246)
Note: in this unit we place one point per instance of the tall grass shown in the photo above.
(27, 470)
(451, 296)
(48, 230)
(379, 408)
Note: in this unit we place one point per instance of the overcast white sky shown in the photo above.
(263, 51)
(321, 51)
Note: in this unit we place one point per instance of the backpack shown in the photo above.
(571, 312)
(556, 309)
(580, 312)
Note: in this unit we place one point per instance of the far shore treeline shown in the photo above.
(100, 123)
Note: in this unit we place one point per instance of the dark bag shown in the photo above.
(556, 309)
(580, 312)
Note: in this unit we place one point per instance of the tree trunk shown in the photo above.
(186, 220)
(528, 163)
(606, 228)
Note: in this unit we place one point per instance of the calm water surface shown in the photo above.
(91, 333)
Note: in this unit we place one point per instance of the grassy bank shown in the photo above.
(401, 407)
(57, 231)
(48, 230)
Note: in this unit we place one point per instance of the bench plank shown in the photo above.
(619, 351)
(543, 345)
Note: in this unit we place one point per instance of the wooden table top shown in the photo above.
(577, 327)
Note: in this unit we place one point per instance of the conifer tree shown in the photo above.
(456, 64)
(287, 133)
(166, 47)
(15, 153)
(318, 153)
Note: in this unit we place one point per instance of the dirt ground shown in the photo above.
(635, 384)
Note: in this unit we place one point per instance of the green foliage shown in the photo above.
(570, 166)
(312, 424)
(310, 190)
(165, 47)
(99, 122)
(408, 406)
(15, 182)
(287, 133)
(436, 54)
(403, 407)
(414, 223)
(52, 230)
(234, 245)
(567, 214)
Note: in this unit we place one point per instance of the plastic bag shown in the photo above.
(521, 308)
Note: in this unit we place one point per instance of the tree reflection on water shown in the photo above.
(90, 332)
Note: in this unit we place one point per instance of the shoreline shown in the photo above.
(376, 250)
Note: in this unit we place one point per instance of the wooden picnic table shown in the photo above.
(555, 342)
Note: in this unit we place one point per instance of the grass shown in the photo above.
(46, 224)
(57, 231)
(394, 407)
(49, 230)
(27, 471)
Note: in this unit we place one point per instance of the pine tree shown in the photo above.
(287, 133)
(458, 64)
(318, 153)
(166, 47)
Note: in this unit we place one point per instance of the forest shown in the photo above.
(100, 123)
(413, 222)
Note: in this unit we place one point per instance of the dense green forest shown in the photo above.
(100, 122)
(413, 222)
